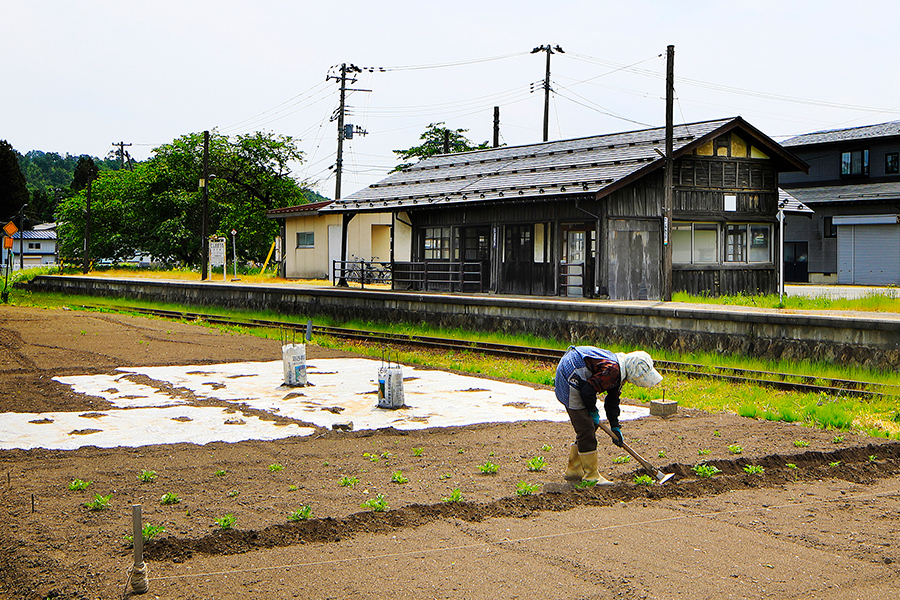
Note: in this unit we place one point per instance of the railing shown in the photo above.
(438, 276)
(362, 272)
(571, 279)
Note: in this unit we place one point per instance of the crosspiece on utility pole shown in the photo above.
(121, 153)
(549, 51)
(346, 72)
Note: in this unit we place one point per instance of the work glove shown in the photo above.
(595, 416)
(619, 439)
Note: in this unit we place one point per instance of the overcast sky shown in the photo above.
(80, 75)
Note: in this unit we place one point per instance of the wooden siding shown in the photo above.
(642, 198)
(725, 281)
(709, 203)
(727, 174)
(564, 208)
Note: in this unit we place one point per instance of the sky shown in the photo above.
(82, 75)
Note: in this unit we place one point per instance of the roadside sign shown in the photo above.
(7, 243)
(217, 253)
(10, 229)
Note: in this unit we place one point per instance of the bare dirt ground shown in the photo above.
(829, 528)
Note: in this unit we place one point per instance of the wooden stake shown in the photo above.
(139, 582)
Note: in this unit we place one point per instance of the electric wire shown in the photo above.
(445, 65)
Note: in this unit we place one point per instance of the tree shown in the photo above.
(85, 172)
(13, 189)
(433, 143)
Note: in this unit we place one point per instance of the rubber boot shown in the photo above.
(589, 462)
(574, 471)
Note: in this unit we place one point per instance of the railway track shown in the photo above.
(781, 381)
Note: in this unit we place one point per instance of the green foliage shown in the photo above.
(455, 496)
(274, 468)
(349, 481)
(99, 502)
(801, 443)
(872, 458)
(537, 463)
(301, 514)
(433, 143)
(77, 485)
(834, 464)
(705, 471)
(735, 449)
(148, 532)
(621, 460)
(546, 448)
(220, 473)
(147, 476)
(838, 439)
(13, 187)
(417, 451)
(790, 465)
(585, 484)
(523, 488)
(703, 452)
(169, 498)
(661, 454)
(754, 469)
(226, 522)
(643, 480)
(397, 477)
(233, 494)
(377, 504)
(488, 468)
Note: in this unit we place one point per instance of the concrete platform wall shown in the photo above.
(869, 341)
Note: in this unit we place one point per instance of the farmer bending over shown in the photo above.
(582, 373)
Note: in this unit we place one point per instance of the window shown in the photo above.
(306, 239)
(829, 229)
(437, 243)
(34, 245)
(892, 163)
(698, 243)
(855, 163)
(695, 243)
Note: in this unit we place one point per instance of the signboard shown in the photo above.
(7, 243)
(10, 229)
(217, 253)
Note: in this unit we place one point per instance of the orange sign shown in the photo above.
(10, 229)
(7, 243)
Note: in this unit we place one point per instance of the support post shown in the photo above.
(496, 127)
(139, 582)
(668, 199)
(204, 227)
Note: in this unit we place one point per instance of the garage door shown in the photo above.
(869, 254)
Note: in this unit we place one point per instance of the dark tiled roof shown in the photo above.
(888, 191)
(583, 165)
(844, 135)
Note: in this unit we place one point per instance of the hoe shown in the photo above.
(661, 477)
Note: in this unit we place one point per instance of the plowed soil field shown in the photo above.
(819, 521)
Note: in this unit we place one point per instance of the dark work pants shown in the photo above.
(585, 437)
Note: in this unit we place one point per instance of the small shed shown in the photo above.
(584, 217)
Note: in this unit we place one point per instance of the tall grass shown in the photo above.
(869, 303)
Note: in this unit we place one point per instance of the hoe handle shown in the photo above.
(636, 456)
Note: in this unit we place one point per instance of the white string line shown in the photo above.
(531, 538)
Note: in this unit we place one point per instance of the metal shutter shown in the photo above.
(869, 254)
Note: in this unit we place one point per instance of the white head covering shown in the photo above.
(637, 368)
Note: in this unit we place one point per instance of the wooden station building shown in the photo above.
(584, 217)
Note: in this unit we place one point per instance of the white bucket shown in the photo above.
(390, 387)
(294, 358)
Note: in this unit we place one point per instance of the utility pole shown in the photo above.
(204, 186)
(87, 230)
(121, 154)
(549, 51)
(496, 127)
(668, 199)
(22, 237)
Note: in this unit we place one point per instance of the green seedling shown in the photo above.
(705, 471)
(643, 480)
(523, 488)
(735, 449)
(275, 468)
(77, 485)
(377, 504)
(220, 473)
(661, 454)
(397, 477)
(546, 448)
(460, 451)
(349, 481)
(99, 502)
(147, 476)
(233, 494)
(585, 484)
(455, 496)
(226, 522)
(488, 468)
(371, 457)
(836, 463)
(716, 433)
(801, 443)
(703, 452)
(386, 455)
(790, 466)
(169, 498)
(537, 463)
(754, 469)
(838, 439)
(621, 460)
(148, 532)
(446, 476)
(418, 451)
(872, 458)
(292, 488)
(301, 514)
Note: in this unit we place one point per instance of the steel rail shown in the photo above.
(781, 381)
